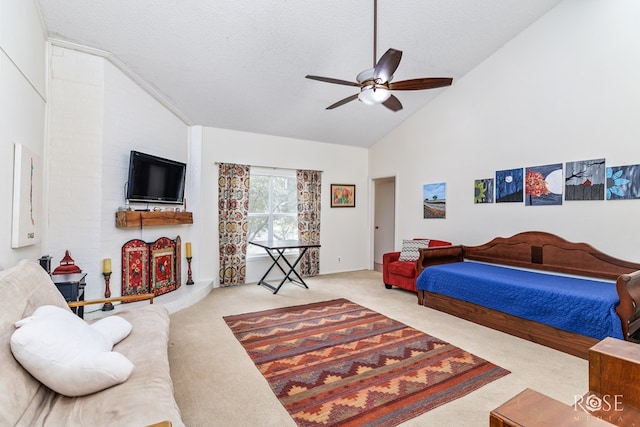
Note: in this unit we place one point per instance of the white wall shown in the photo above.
(98, 115)
(133, 120)
(343, 230)
(22, 107)
(76, 113)
(23, 40)
(566, 89)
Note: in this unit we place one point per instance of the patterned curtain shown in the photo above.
(308, 182)
(233, 206)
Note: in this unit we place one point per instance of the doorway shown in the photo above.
(384, 218)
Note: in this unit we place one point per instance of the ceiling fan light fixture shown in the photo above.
(375, 83)
(373, 95)
(365, 75)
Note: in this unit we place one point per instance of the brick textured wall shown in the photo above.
(97, 116)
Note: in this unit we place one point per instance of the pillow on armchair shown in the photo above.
(411, 249)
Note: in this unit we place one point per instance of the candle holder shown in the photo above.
(189, 278)
(107, 292)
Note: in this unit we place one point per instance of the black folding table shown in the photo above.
(276, 250)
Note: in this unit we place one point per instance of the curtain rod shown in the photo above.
(269, 167)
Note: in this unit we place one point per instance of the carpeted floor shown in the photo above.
(336, 363)
(217, 384)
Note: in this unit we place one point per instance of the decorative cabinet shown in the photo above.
(71, 286)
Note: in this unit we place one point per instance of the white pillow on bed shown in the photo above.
(411, 249)
(67, 354)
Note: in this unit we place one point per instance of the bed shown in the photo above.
(537, 286)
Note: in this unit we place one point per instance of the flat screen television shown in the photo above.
(153, 179)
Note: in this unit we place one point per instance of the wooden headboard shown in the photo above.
(545, 251)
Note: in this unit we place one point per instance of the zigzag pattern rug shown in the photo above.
(337, 363)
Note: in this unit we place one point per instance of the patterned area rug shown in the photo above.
(337, 363)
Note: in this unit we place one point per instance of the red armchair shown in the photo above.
(403, 274)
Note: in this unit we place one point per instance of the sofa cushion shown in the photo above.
(67, 355)
(23, 288)
(145, 398)
(411, 249)
(404, 269)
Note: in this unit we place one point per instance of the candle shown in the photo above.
(106, 265)
(188, 246)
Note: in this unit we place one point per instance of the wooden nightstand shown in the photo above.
(533, 409)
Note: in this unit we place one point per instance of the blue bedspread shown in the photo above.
(583, 306)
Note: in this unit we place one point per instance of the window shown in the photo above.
(273, 211)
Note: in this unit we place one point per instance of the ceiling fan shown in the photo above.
(375, 83)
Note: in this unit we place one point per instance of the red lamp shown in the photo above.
(67, 265)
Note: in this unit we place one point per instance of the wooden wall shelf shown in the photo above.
(126, 219)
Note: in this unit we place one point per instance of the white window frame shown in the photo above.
(272, 172)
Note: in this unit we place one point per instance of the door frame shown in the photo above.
(372, 209)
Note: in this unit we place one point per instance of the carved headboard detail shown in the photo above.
(545, 251)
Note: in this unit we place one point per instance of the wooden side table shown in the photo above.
(533, 409)
(71, 286)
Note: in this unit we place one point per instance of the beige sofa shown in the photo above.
(145, 398)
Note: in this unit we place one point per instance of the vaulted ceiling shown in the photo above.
(241, 64)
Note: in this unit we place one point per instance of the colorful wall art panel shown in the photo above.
(483, 190)
(135, 267)
(585, 180)
(151, 267)
(434, 200)
(623, 182)
(509, 186)
(543, 185)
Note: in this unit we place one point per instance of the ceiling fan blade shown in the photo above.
(343, 101)
(419, 84)
(387, 65)
(334, 81)
(393, 103)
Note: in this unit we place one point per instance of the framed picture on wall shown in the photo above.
(27, 197)
(343, 195)
(483, 190)
(509, 186)
(623, 182)
(585, 180)
(434, 200)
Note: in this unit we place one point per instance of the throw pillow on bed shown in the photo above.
(411, 249)
(68, 355)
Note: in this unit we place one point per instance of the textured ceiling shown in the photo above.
(240, 64)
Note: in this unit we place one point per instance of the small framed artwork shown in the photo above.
(585, 180)
(483, 190)
(434, 200)
(543, 185)
(343, 195)
(623, 182)
(509, 186)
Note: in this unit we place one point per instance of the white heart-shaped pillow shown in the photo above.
(68, 355)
